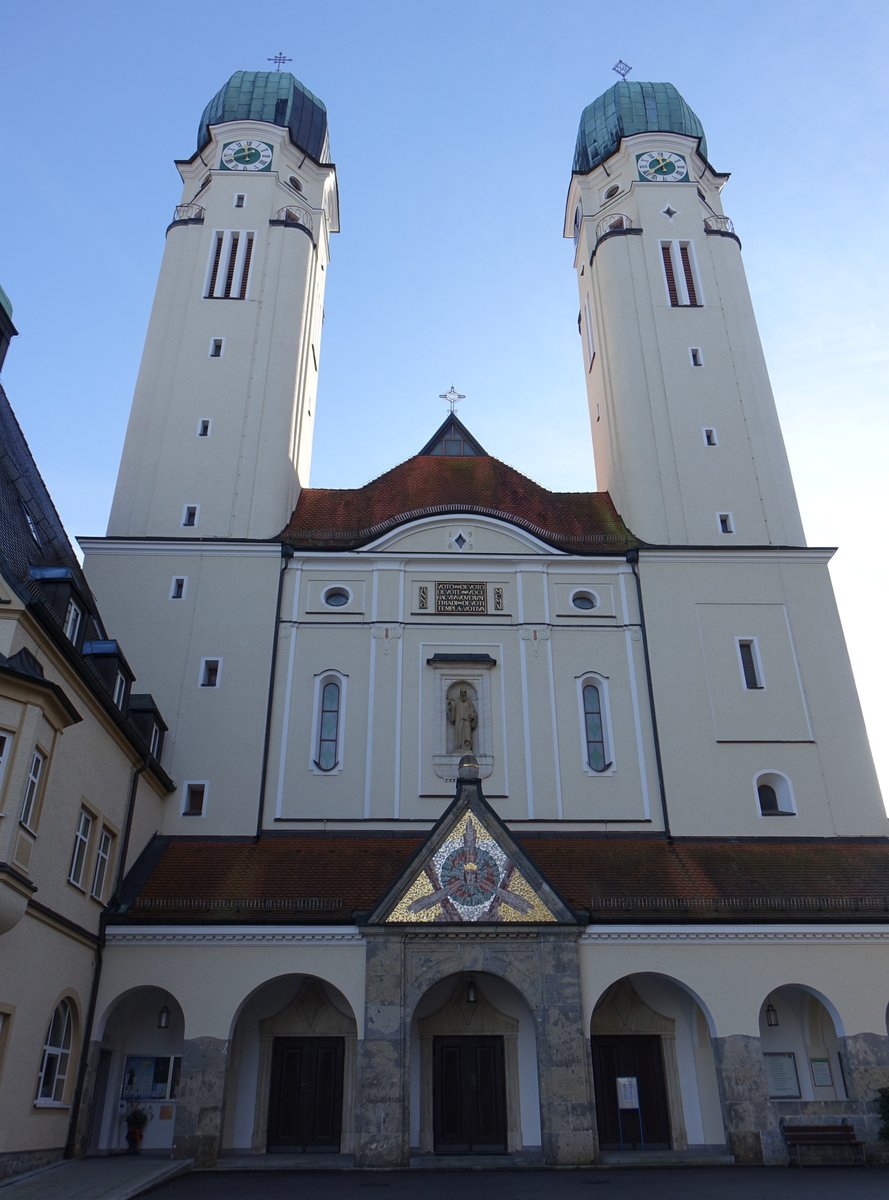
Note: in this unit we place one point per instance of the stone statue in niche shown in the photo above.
(463, 715)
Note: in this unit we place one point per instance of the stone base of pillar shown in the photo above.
(197, 1132)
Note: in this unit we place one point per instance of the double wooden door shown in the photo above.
(469, 1095)
(306, 1097)
(623, 1058)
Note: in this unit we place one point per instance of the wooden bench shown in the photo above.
(823, 1143)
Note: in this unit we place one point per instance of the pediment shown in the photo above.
(471, 871)
(461, 534)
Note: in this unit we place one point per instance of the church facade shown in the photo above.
(507, 822)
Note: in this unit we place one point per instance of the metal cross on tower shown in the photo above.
(453, 397)
(279, 59)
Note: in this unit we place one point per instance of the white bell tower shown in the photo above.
(219, 440)
(685, 431)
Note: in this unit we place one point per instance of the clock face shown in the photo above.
(662, 166)
(246, 155)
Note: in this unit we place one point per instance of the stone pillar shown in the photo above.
(866, 1069)
(197, 1132)
(382, 1115)
(567, 1110)
(88, 1101)
(751, 1122)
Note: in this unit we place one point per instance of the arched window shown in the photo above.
(594, 724)
(774, 795)
(56, 1055)
(327, 736)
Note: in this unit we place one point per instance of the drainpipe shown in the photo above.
(97, 965)
(286, 555)
(633, 560)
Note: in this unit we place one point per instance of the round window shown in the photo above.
(336, 597)
(612, 191)
(295, 183)
(584, 601)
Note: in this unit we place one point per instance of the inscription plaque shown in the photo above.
(461, 597)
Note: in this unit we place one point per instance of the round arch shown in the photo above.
(802, 1039)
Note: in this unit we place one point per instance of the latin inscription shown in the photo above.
(461, 598)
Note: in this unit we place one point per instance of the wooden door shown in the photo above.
(306, 1098)
(640, 1058)
(469, 1095)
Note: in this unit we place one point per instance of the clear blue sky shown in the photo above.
(453, 127)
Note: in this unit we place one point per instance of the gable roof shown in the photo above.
(327, 878)
(452, 429)
(430, 485)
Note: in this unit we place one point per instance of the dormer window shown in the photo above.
(120, 689)
(73, 617)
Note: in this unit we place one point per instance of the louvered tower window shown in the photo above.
(680, 276)
(230, 259)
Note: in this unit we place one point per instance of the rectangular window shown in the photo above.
(120, 689)
(726, 523)
(103, 858)
(216, 347)
(697, 359)
(155, 743)
(72, 621)
(5, 746)
(81, 846)
(710, 437)
(751, 670)
(177, 587)
(230, 259)
(211, 671)
(190, 516)
(204, 427)
(32, 790)
(240, 200)
(195, 795)
(680, 276)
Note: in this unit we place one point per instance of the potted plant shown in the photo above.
(137, 1119)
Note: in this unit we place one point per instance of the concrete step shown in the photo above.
(694, 1156)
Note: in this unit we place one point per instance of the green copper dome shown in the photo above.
(276, 97)
(627, 108)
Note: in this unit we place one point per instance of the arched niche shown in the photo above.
(802, 1043)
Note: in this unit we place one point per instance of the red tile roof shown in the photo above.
(343, 518)
(328, 878)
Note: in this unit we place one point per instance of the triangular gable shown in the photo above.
(452, 440)
(470, 871)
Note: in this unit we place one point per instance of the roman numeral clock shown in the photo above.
(246, 155)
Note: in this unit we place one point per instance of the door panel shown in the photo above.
(469, 1095)
(639, 1057)
(306, 1095)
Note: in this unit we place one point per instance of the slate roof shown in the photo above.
(427, 485)
(328, 878)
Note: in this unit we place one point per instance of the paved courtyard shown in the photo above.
(728, 1183)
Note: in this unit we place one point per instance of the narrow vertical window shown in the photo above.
(328, 726)
(120, 689)
(240, 200)
(589, 337)
(695, 355)
(710, 437)
(72, 621)
(177, 587)
(232, 261)
(32, 790)
(190, 516)
(56, 1056)
(81, 845)
(688, 274)
(103, 857)
(154, 745)
(195, 796)
(214, 264)
(726, 523)
(5, 744)
(594, 727)
(751, 671)
(204, 427)
(245, 269)
(670, 275)
(216, 348)
(211, 669)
